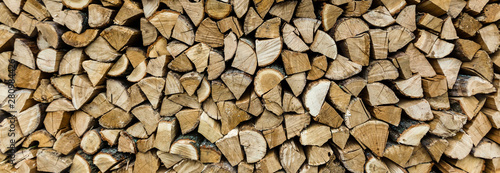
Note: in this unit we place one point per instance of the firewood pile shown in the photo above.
(147, 86)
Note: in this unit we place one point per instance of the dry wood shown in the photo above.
(275, 136)
(269, 28)
(319, 65)
(352, 156)
(229, 145)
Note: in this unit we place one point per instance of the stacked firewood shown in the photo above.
(249, 86)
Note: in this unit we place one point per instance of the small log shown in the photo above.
(448, 31)
(83, 90)
(292, 103)
(356, 113)
(49, 160)
(409, 132)
(379, 94)
(188, 166)
(329, 116)
(380, 17)
(379, 43)
(183, 30)
(292, 40)
(46, 93)
(315, 134)
(253, 142)
(209, 128)
(465, 84)
(91, 142)
(380, 70)
(325, 45)
(398, 153)
(9, 17)
(252, 21)
(220, 92)
(99, 16)
(24, 52)
(107, 158)
(340, 136)
(398, 37)
(297, 82)
(459, 146)
(349, 27)
(295, 62)
(250, 103)
(268, 120)
(342, 68)
(108, 119)
(126, 143)
(446, 124)
(493, 116)
(173, 84)
(230, 45)
(319, 65)
(148, 32)
(84, 120)
(466, 49)
(486, 149)
(100, 50)
(40, 137)
(283, 10)
(448, 67)
(128, 12)
(237, 82)
(244, 167)
(407, 17)
(53, 121)
(470, 106)
(275, 136)
(480, 65)
(138, 73)
(307, 27)
(135, 55)
(62, 84)
(435, 147)
(168, 159)
(374, 164)
(270, 162)
(291, 156)
(164, 21)
(269, 29)
(268, 50)
(417, 109)
(208, 32)
(314, 96)
(229, 145)
(67, 142)
(187, 146)
(411, 87)
(231, 115)
(372, 134)
(477, 128)
(230, 23)
(466, 25)
(209, 153)
(390, 114)
(245, 58)
(352, 156)
(24, 23)
(266, 79)
(217, 9)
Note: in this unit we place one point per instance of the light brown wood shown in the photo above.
(352, 156)
(291, 156)
(229, 145)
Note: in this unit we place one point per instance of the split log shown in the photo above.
(409, 132)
